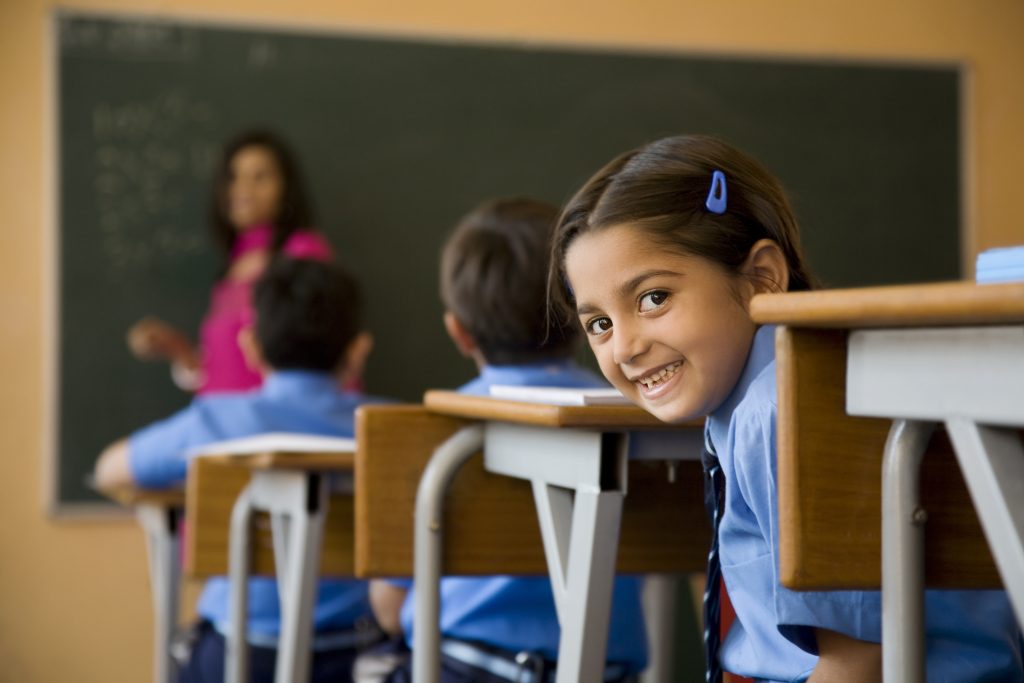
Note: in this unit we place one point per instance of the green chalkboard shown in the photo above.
(399, 138)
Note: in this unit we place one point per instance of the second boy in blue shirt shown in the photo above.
(493, 280)
(307, 339)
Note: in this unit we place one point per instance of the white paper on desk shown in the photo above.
(560, 396)
(278, 442)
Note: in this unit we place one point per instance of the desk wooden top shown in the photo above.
(131, 496)
(284, 460)
(938, 304)
(465, 406)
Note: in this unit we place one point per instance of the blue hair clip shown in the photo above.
(717, 200)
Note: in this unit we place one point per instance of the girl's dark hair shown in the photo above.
(296, 211)
(661, 189)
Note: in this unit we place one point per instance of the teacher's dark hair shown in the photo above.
(296, 210)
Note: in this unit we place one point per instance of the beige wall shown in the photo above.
(73, 595)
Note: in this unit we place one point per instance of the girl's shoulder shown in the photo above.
(308, 244)
(758, 409)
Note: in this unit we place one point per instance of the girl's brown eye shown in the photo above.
(599, 326)
(652, 300)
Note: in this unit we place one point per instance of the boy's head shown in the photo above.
(494, 270)
(308, 317)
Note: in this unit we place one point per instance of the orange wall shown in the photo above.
(73, 595)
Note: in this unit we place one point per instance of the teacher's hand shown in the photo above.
(154, 339)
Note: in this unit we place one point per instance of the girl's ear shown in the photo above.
(766, 268)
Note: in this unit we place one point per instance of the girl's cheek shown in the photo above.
(609, 370)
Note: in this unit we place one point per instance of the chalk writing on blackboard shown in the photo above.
(149, 40)
(143, 173)
(262, 53)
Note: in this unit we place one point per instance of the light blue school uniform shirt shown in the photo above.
(972, 636)
(289, 401)
(516, 613)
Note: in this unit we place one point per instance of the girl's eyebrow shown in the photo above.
(631, 285)
(627, 288)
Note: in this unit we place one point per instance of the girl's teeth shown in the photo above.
(657, 377)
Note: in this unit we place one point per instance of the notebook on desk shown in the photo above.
(1005, 264)
(281, 442)
(560, 396)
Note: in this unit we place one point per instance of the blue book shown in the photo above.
(1001, 275)
(1005, 264)
(1003, 257)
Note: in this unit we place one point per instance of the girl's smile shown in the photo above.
(654, 383)
(670, 331)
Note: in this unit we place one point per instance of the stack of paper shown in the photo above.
(559, 396)
(277, 442)
(1001, 265)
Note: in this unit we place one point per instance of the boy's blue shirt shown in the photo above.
(289, 401)
(971, 635)
(514, 613)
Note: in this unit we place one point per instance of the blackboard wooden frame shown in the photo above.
(59, 502)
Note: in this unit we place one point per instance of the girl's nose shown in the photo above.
(629, 344)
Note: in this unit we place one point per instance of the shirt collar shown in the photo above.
(254, 238)
(293, 383)
(762, 354)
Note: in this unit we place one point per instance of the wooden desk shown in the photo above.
(285, 476)
(158, 513)
(214, 485)
(489, 520)
(857, 367)
(576, 462)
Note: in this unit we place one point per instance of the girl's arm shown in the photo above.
(842, 659)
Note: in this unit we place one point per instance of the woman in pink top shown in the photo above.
(260, 210)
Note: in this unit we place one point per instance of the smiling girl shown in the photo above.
(660, 254)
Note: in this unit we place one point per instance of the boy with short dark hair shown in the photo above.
(493, 284)
(307, 339)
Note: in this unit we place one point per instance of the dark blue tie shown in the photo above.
(714, 499)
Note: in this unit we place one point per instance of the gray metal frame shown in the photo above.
(903, 552)
(579, 480)
(972, 380)
(427, 547)
(159, 522)
(297, 503)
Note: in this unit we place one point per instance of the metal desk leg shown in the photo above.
(579, 483)
(297, 502)
(589, 580)
(236, 656)
(446, 461)
(160, 523)
(659, 600)
(903, 520)
(992, 461)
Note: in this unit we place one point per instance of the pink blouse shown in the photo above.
(223, 365)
